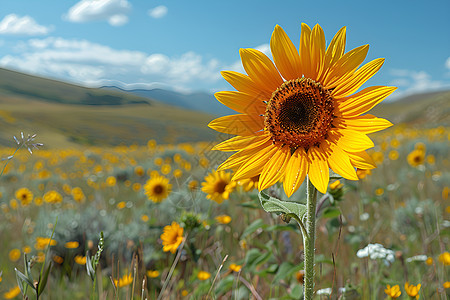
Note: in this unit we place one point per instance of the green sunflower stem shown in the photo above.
(309, 239)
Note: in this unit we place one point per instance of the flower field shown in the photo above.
(174, 228)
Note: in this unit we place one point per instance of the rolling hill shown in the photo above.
(199, 101)
(67, 115)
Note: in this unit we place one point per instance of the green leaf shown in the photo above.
(280, 227)
(43, 281)
(250, 204)
(21, 278)
(296, 291)
(90, 270)
(285, 270)
(331, 212)
(253, 227)
(255, 257)
(224, 285)
(271, 204)
(320, 258)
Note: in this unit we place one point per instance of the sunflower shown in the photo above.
(249, 184)
(301, 115)
(25, 196)
(172, 237)
(218, 186)
(157, 188)
(416, 157)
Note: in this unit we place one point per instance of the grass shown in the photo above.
(402, 207)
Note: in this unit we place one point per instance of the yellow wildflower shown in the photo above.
(412, 290)
(203, 275)
(223, 219)
(14, 254)
(172, 237)
(79, 259)
(393, 292)
(72, 245)
(444, 258)
(152, 273)
(12, 293)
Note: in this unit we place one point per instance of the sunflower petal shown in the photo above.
(358, 79)
(243, 83)
(238, 124)
(238, 143)
(260, 69)
(295, 172)
(361, 160)
(339, 162)
(237, 159)
(353, 141)
(255, 164)
(345, 66)
(285, 55)
(304, 49)
(334, 52)
(366, 124)
(317, 52)
(242, 102)
(274, 168)
(336, 48)
(318, 172)
(363, 101)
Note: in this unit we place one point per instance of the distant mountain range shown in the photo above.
(195, 101)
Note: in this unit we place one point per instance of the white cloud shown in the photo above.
(26, 25)
(411, 82)
(158, 12)
(92, 64)
(447, 63)
(113, 11)
(118, 20)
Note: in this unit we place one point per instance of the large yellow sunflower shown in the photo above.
(301, 115)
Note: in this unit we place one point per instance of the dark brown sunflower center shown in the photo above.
(158, 189)
(220, 187)
(299, 114)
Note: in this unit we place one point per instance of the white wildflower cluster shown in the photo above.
(376, 251)
(421, 257)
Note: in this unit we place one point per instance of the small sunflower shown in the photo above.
(172, 237)
(218, 186)
(301, 115)
(249, 184)
(416, 158)
(25, 196)
(52, 197)
(157, 188)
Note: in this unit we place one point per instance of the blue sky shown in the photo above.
(183, 45)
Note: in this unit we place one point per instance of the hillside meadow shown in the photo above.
(157, 235)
